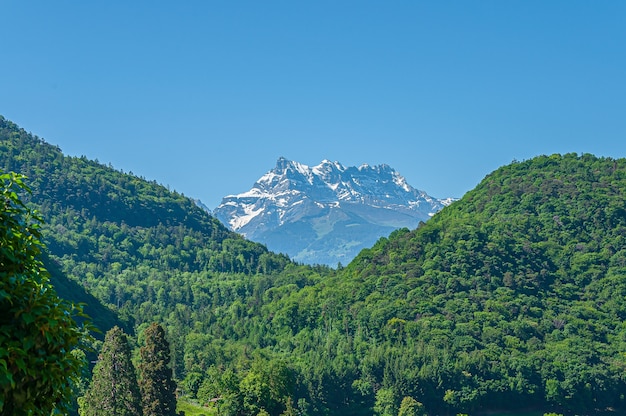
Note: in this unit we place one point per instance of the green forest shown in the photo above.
(511, 299)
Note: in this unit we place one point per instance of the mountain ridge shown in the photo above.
(326, 207)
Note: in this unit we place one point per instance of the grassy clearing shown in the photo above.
(193, 409)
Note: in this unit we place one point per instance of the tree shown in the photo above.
(267, 386)
(158, 390)
(114, 390)
(411, 407)
(385, 402)
(38, 331)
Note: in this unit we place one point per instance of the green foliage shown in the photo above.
(265, 387)
(514, 294)
(221, 387)
(114, 390)
(385, 402)
(158, 390)
(147, 254)
(189, 408)
(411, 407)
(38, 333)
(132, 244)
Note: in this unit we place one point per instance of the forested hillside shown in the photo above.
(513, 297)
(145, 252)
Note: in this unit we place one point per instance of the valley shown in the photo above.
(512, 297)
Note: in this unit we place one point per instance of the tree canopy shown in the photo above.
(114, 390)
(158, 389)
(38, 331)
(513, 294)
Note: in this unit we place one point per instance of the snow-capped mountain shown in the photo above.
(327, 213)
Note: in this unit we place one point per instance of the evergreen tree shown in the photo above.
(156, 384)
(114, 390)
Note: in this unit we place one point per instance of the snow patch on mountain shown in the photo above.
(326, 213)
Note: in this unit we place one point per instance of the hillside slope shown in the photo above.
(138, 248)
(514, 296)
(132, 219)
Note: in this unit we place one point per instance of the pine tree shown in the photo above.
(157, 387)
(114, 390)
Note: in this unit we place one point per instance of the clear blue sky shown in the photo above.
(204, 96)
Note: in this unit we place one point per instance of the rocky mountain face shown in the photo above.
(327, 213)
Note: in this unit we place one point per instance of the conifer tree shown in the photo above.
(157, 387)
(114, 390)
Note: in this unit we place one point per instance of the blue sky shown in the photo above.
(204, 96)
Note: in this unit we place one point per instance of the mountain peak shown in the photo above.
(328, 212)
(283, 163)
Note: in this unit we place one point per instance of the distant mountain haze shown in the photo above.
(327, 213)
